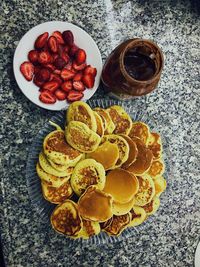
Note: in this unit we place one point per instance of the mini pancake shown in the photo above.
(58, 150)
(109, 125)
(107, 154)
(122, 146)
(66, 220)
(146, 190)
(144, 158)
(105, 224)
(50, 179)
(157, 168)
(56, 195)
(121, 209)
(121, 120)
(80, 111)
(155, 145)
(95, 205)
(160, 186)
(133, 151)
(141, 130)
(118, 224)
(89, 229)
(121, 185)
(45, 165)
(100, 124)
(138, 215)
(152, 206)
(87, 172)
(80, 137)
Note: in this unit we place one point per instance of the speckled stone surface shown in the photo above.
(170, 237)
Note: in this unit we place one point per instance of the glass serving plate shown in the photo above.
(45, 208)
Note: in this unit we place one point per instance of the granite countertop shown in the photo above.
(170, 237)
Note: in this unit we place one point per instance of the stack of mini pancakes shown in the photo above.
(103, 170)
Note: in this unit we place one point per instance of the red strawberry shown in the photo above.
(66, 49)
(27, 69)
(44, 57)
(59, 63)
(78, 85)
(78, 76)
(65, 57)
(67, 74)
(90, 70)
(74, 96)
(78, 67)
(50, 67)
(80, 56)
(43, 75)
(47, 97)
(67, 86)
(88, 80)
(73, 50)
(41, 40)
(37, 82)
(60, 49)
(33, 56)
(69, 66)
(54, 56)
(37, 69)
(55, 77)
(68, 37)
(60, 94)
(57, 72)
(45, 48)
(58, 36)
(52, 44)
(51, 86)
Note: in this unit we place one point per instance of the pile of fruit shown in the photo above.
(58, 67)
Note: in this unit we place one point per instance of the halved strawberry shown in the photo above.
(69, 66)
(51, 86)
(73, 50)
(59, 63)
(60, 49)
(54, 56)
(68, 37)
(74, 96)
(43, 75)
(66, 49)
(37, 82)
(52, 44)
(88, 80)
(45, 48)
(37, 69)
(78, 67)
(78, 76)
(27, 69)
(65, 57)
(67, 74)
(67, 86)
(80, 56)
(56, 71)
(60, 94)
(78, 85)
(90, 70)
(33, 56)
(44, 57)
(47, 97)
(58, 36)
(55, 77)
(50, 67)
(41, 40)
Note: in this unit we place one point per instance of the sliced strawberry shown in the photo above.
(67, 74)
(80, 56)
(54, 56)
(74, 96)
(65, 57)
(66, 49)
(41, 40)
(51, 86)
(37, 82)
(78, 76)
(69, 66)
(57, 71)
(33, 56)
(43, 75)
(60, 94)
(67, 86)
(58, 36)
(78, 85)
(52, 44)
(27, 69)
(47, 97)
(90, 70)
(44, 57)
(59, 63)
(68, 37)
(60, 49)
(45, 48)
(37, 69)
(78, 67)
(88, 80)
(55, 77)
(50, 67)
(73, 50)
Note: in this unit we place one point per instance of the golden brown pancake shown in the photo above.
(121, 185)
(160, 185)
(133, 151)
(95, 205)
(152, 206)
(155, 145)
(109, 125)
(146, 190)
(100, 124)
(107, 154)
(138, 215)
(89, 229)
(121, 209)
(65, 219)
(141, 130)
(118, 224)
(157, 168)
(144, 158)
(121, 120)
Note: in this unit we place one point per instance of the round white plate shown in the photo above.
(197, 256)
(81, 39)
